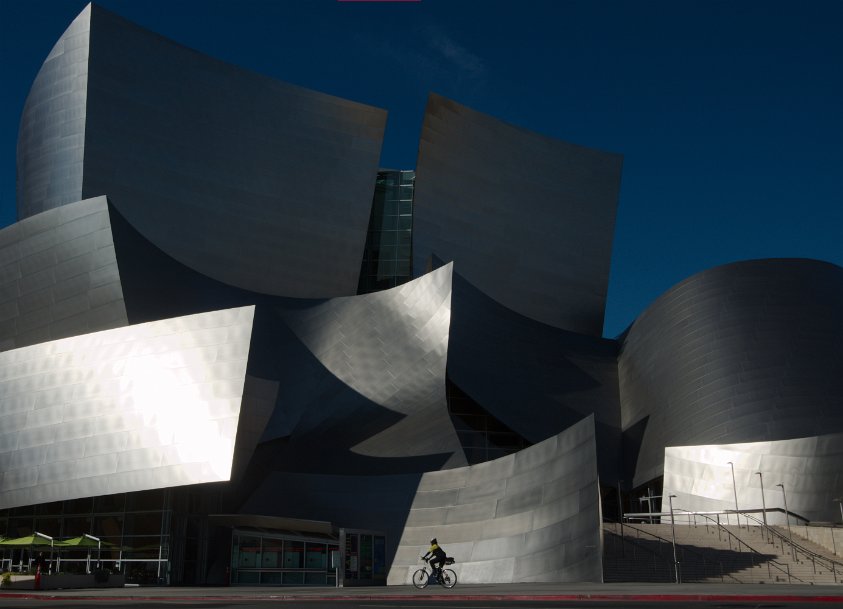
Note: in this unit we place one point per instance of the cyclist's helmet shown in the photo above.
(433, 541)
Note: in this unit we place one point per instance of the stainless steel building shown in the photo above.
(233, 370)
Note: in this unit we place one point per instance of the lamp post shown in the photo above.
(673, 532)
(620, 516)
(735, 488)
(649, 499)
(763, 507)
(787, 517)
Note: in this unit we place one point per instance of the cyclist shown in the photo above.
(437, 555)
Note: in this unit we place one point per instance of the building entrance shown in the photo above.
(364, 557)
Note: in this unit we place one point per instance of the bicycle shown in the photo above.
(447, 578)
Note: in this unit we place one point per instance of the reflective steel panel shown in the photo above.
(533, 516)
(227, 171)
(527, 219)
(59, 275)
(370, 380)
(811, 470)
(141, 407)
(746, 352)
(51, 140)
(555, 377)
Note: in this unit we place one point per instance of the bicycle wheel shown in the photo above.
(448, 579)
(421, 578)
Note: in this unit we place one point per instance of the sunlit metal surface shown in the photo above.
(59, 275)
(146, 406)
(527, 219)
(528, 517)
(811, 470)
(229, 172)
(51, 141)
(746, 352)
(374, 366)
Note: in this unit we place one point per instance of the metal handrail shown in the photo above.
(683, 548)
(655, 555)
(783, 567)
(830, 564)
(774, 563)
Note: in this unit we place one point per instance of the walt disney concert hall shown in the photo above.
(236, 350)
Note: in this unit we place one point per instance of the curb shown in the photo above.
(458, 597)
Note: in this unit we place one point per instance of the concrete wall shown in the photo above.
(531, 516)
(831, 538)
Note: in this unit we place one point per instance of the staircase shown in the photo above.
(708, 552)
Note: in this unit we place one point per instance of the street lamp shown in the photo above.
(673, 531)
(787, 517)
(649, 499)
(763, 507)
(735, 488)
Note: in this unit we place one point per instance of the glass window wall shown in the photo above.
(276, 560)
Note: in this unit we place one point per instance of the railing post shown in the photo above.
(788, 572)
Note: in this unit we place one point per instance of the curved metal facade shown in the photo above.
(51, 141)
(811, 470)
(529, 517)
(59, 276)
(555, 377)
(230, 246)
(227, 171)
(389, 348)
(142, 407)
(527, 219)
(747, 352)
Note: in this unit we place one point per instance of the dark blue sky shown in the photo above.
(729, 114)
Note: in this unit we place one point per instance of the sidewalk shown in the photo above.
(466, 592)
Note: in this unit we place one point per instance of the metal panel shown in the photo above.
(811, 470)
(51, 140)
(60, 275)
(555, 377)
(548, 540)
(747, 352)
(229, 172)
(527, 219)
(149, 406)
(364, 384)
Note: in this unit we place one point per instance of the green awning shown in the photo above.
(36, 540)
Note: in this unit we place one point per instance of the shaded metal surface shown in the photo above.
(59, 275)
(811, 470)
(527, 219)
(229, 172)
(746, 352)
(147, 406)
(545, 379)
(530, 516)
(366, 375)
(51, 139)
